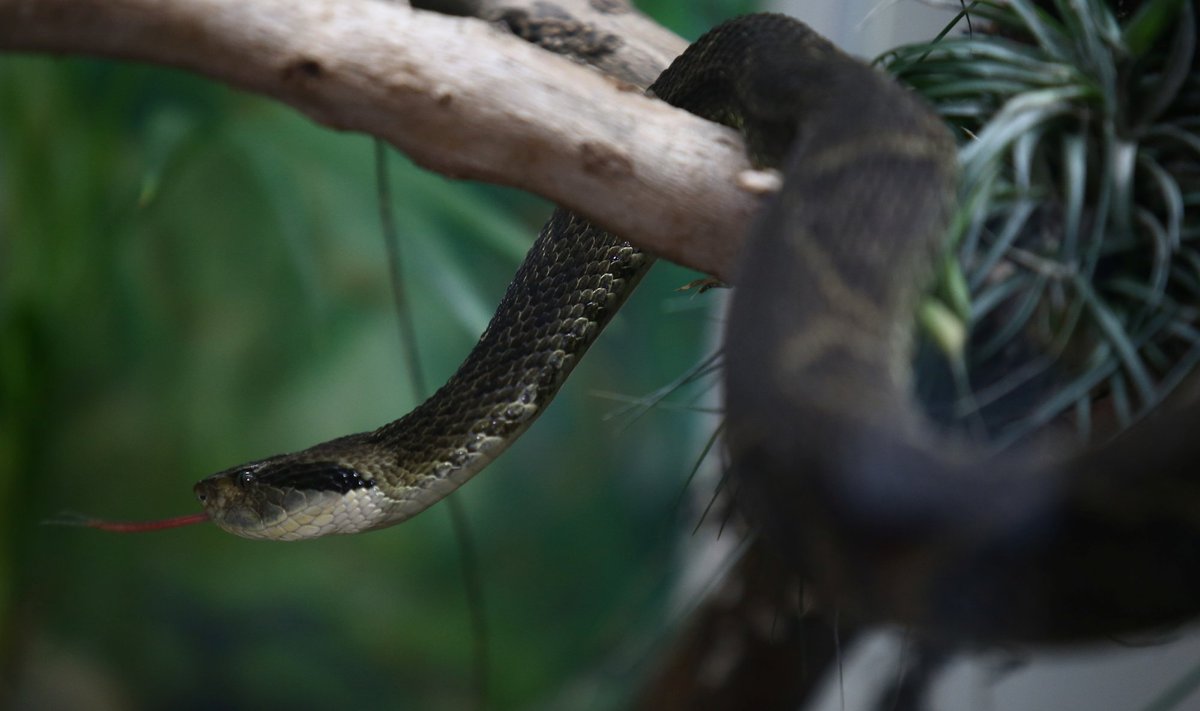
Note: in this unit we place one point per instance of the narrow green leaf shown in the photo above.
(1115, 334)
(1049, 34)
(944, 327)
(1155, 17)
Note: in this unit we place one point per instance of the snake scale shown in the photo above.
(829, 455)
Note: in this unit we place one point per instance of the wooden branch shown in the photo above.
(455, 94)
(611, 35)
(748, 644)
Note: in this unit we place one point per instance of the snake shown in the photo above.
(572, 281)
(884, 514)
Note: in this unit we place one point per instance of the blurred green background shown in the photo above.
(191, 277)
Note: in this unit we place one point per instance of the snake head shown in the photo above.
(289, 498)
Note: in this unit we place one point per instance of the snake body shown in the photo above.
(571, 282)
(887, 516)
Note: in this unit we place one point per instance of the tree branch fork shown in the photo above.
(457, 95)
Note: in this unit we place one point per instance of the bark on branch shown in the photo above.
(614, 37)
(457, 95)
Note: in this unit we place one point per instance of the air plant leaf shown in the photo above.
(1076, 266)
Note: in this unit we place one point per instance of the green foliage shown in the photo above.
(191, 277)
(1077, 236)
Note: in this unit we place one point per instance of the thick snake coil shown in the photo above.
(830, 455)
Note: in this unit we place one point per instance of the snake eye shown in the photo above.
(245, 478)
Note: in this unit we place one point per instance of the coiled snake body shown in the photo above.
(827, 450)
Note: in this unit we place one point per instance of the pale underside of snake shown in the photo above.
(830, 455)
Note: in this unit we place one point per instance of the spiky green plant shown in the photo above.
(1073, 285)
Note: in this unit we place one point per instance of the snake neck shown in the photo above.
(573, 280)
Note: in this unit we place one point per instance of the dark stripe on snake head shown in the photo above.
(307, 476)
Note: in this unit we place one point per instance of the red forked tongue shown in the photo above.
(72, 519)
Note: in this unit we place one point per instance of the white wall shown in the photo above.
(866, 27)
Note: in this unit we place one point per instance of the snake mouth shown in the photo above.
(232, 506)
(286, 501)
